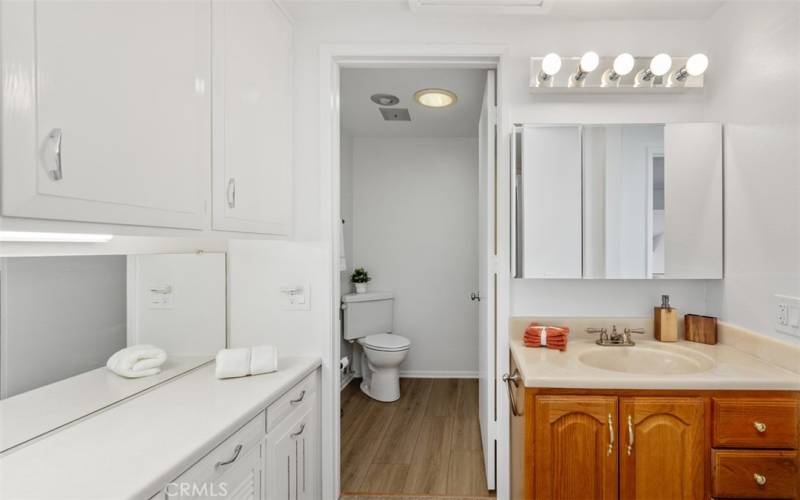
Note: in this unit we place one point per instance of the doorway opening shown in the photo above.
(417, 399)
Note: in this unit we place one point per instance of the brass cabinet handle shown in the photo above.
(760, 479)
(610, 435)
(512, 379)
(760, 426)
(630, 435)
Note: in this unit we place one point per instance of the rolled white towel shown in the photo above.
(136, 361)
(233, 363)
(263, 359)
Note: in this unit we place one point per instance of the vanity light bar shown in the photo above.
(36, 237)
(620, 73)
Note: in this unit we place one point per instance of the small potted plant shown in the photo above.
(360, 278)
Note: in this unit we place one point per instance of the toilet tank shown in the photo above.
(367, 314)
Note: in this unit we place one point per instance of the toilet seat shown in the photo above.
(385, 342)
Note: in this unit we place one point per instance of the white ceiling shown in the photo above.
(362, 118)
(561, 9)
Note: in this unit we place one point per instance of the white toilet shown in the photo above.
(368, 320)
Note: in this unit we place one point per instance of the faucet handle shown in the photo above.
(601, 331)
(635, 330)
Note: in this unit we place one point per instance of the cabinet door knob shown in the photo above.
(512, 379)
(56, 173)
(760, 479)
(610, 435)
(630, 435)
(760, 426)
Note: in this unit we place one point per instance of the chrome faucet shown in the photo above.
(616, 338)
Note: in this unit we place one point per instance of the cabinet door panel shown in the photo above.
(662, 448)
(281, 462)
(576, 447)
(125, 84)
(252, 48)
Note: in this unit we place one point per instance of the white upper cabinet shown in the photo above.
(106, 111)
(252, 124)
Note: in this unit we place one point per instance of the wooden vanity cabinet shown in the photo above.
(659, 444)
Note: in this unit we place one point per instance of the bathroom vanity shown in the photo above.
(196, 436)
(706, 422)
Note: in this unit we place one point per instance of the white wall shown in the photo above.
(415, 230)
(61, 316)
(257, 270)
(525, 37)
(754, 90)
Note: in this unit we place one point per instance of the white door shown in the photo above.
(106, 112)
(252, 85)
(487, 250)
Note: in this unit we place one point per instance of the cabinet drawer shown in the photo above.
(736, 474)
(208, 467)
(755, 423)
(297, 399)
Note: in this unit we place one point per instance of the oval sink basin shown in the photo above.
(647, 360)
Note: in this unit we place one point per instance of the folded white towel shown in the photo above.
(246, 361)
(233, 363)
(137, 361)
(263, 359)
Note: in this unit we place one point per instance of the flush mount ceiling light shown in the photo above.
(435, 98)
(36, 237)
(623, 65)
(551, 65)
(384, 99)
(659, 66)
(695, 66)
(588, 63)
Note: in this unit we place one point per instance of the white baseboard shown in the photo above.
(437, 374)
(346, 379)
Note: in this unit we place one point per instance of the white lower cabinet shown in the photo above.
(254, 463)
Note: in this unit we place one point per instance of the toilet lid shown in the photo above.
(386, 342)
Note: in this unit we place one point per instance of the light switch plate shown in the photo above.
(160, 296)
(296, 297)
(787, 314)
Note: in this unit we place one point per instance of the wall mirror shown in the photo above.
(62, 317)
(621, 201)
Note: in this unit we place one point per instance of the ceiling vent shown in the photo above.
(395, 114)
(482, 7)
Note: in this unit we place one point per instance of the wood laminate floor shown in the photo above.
(427, 443)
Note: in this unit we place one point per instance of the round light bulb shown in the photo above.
(551, 64)
(661, 64)
(697, 64)
(590, 61)
(623, 64)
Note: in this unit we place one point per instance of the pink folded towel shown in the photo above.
(552, 337)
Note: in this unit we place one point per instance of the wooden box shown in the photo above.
(702, 329)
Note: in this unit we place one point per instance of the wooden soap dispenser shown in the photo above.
(666, 321)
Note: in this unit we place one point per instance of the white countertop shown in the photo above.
(25, 416)
(134, 449)
(732, 369)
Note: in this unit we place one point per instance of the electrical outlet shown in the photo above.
(787, 315)
(296, 298)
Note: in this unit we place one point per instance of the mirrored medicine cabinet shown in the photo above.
(621, 201)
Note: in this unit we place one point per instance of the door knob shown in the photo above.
(475, 296)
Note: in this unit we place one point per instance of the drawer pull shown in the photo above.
(760, 479)
(302, 428)
(760, 426)
(236, 452)
(299, 398)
